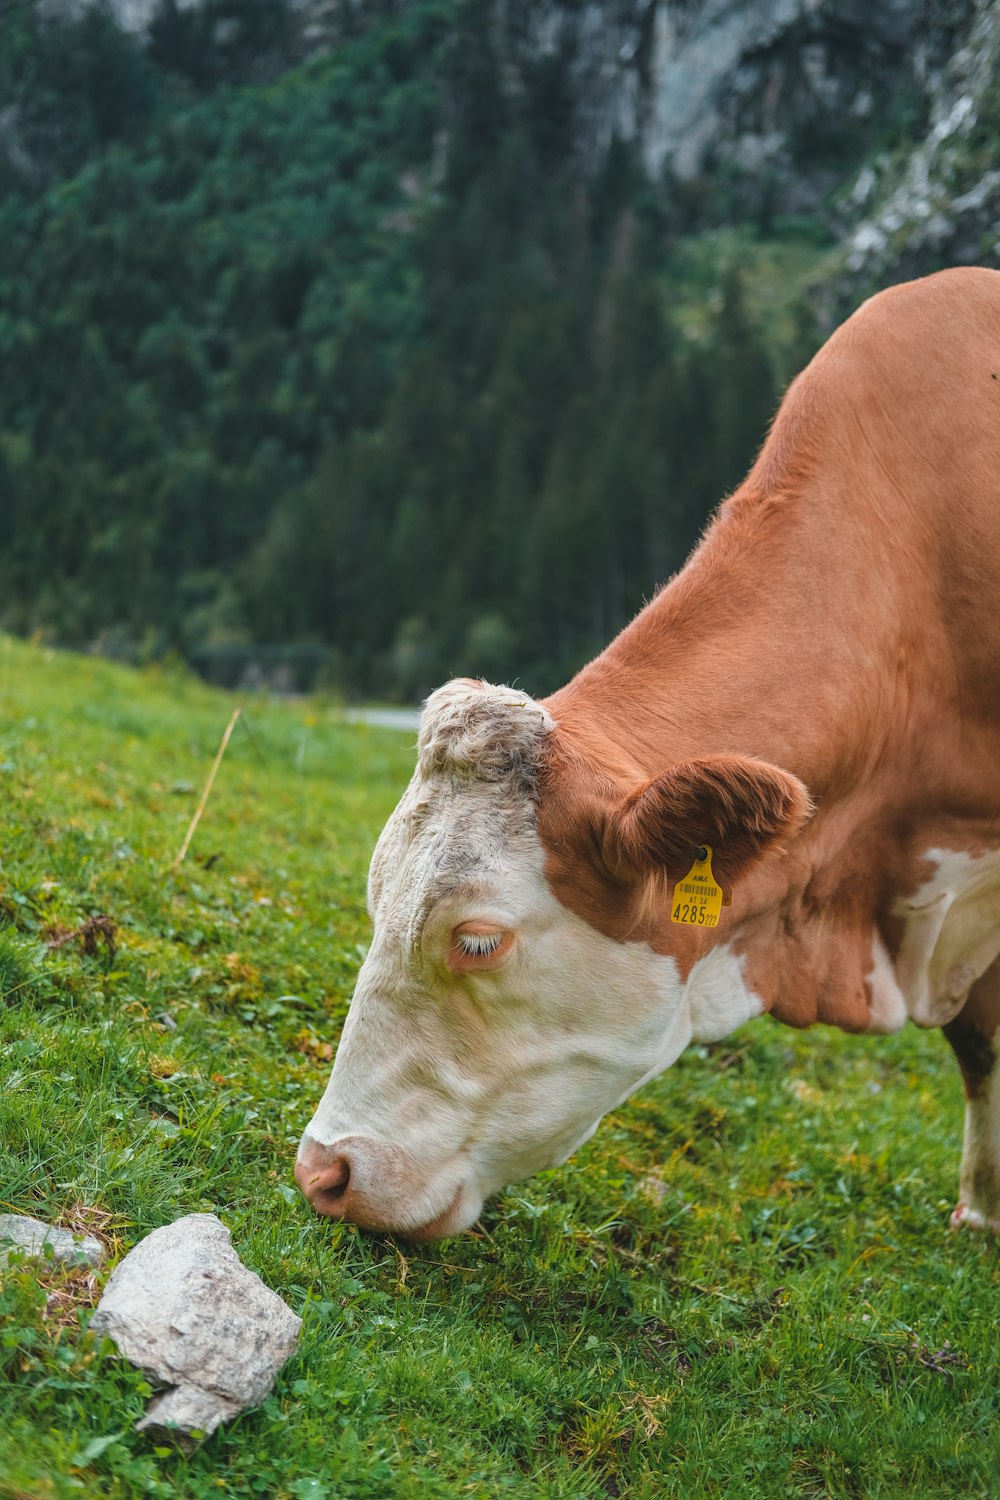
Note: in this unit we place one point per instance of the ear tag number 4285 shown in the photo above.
(697, 898)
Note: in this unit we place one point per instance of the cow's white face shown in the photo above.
(491, 1027)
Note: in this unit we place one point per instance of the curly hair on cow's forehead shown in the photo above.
(477, 731)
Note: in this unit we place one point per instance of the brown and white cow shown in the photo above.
(816, 699)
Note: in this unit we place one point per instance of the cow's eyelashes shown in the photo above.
(478, 944)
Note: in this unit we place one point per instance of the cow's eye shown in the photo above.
(475, 945)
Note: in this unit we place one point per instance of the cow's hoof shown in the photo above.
(965, 1217)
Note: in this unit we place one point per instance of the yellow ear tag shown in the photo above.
(697, 899)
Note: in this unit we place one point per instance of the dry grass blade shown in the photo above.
(208, 790)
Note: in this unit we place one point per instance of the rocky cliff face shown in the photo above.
(777, 95)
(882, 119)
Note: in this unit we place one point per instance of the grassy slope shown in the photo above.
(743, 1286)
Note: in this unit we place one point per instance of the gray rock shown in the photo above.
(184, 1308)
(35, 1238)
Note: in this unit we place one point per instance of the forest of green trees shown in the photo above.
(344, 356)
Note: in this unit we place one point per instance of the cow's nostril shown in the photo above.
(327, 1189)
(324, 1180)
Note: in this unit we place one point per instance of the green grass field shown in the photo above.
(743, 1286)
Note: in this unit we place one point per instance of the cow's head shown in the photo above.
(519, 984)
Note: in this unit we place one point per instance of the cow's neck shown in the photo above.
(734, 656)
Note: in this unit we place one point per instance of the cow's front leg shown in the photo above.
(975, 1036)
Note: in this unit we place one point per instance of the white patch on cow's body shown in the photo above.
(951, 936)
(718, 998)
(887, 1004)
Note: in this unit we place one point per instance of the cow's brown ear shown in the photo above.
(737, 805)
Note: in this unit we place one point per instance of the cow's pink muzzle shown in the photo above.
(378, 1186)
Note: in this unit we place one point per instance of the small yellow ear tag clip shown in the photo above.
(697, 899)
